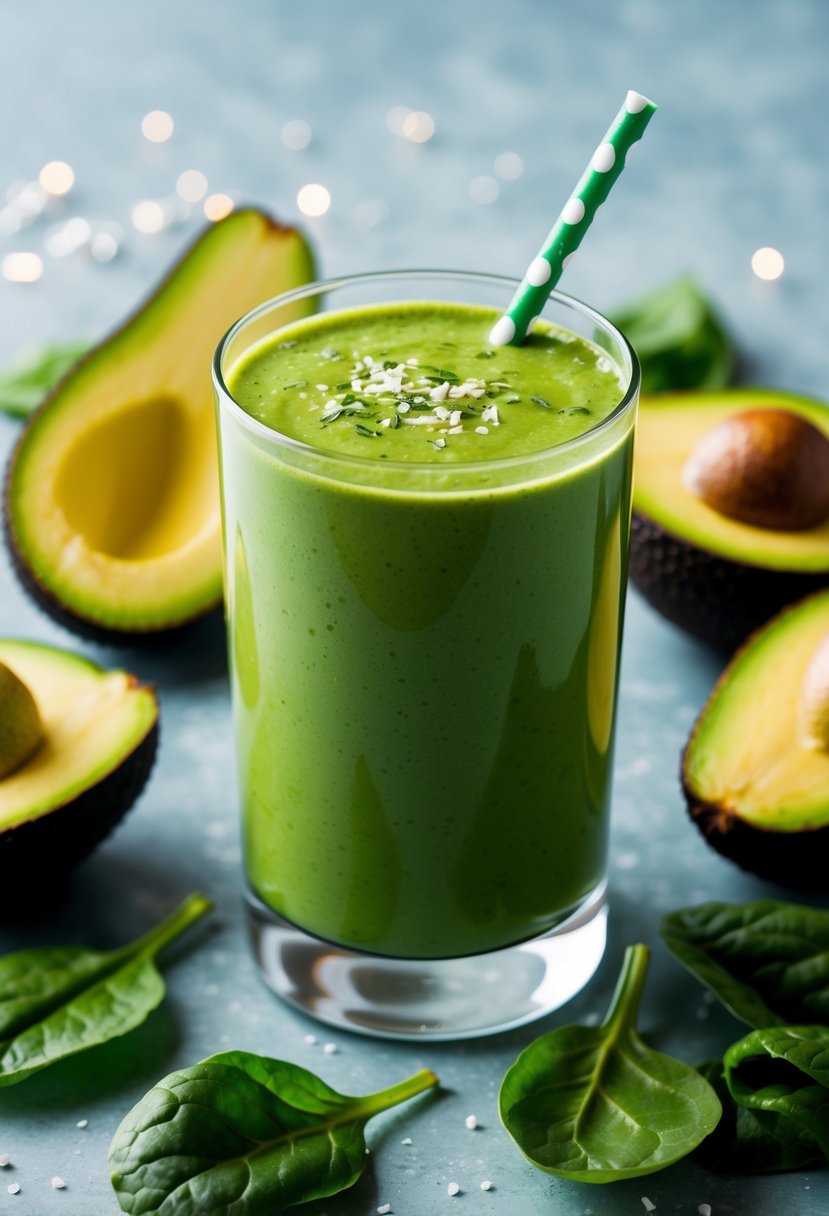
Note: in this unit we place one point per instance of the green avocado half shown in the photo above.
(78, 769)
(756, 768)
(112, 495)
(714, 576)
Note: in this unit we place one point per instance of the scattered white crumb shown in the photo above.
(481, 430)
(486, 1185)
(14, 1189)
(453, 1189)
(647, 1205)
(704, 1209)
(82, 1123)
(471, 1122)
(310, 1039)
(58, 1184)
(5, 1160)
(406, 1140)
(384, 1209)
(330, 1049)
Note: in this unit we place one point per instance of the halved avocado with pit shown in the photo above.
(112, 496)
(715, 576)
(99, 731)
(756, 768)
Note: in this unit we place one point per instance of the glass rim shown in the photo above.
(321, 286)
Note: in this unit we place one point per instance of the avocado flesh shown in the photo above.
(746, 758)
(669, 429)
(94, 722)
(112, 504)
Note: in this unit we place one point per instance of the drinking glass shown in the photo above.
(424, 661)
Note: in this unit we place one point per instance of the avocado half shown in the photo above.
(715, 577)
(755, 771)
(99, 732)
(112, 495)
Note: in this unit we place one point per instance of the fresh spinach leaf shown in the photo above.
(596, 1104)
(784, 1070)
(243, 1134)
(26, 382)
(747, 1141)
(57, 1001)
(767, 961)
(679, 339)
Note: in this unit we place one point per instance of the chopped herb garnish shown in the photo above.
(438, 373)
(349, 399)
(575, 409)
(438, 443)
(331, 416)
(486, 354)
(389, 365)
(540, 401)
(512, 399)
(394, 421)
(366, 431)
(295, 384)
(499, 384)
(347, 384)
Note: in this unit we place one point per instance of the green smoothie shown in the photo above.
(425, 592)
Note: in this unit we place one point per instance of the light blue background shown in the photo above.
(736, 158)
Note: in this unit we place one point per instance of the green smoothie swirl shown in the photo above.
(417, 382)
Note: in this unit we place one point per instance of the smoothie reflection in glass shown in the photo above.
(426, 543)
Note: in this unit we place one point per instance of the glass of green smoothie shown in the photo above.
(425, 554)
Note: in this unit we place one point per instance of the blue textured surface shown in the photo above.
(735, 159)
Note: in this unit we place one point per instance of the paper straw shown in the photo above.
(576, 216)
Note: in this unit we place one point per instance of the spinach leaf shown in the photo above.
(245, 1134)
(57, 1001)
(596, 1104)
(784, 1070)
(30, 377)
(747, 1141)
(767, 961)
(678, 338)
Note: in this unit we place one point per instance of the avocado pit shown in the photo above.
(765, 467)
(21, 730)
(84, 743)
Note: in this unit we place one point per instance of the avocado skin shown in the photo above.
(797, 860)
(714, 599)
(34, 852)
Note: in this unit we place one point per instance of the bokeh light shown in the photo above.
(217, 206)
(767, 263)
(483, 190)
(148, 216)
(296, 134)
(508, 166)
(22, 267)
(418, 126)
(313, 199)
(57, 177)
(191, 185)
(157, 126)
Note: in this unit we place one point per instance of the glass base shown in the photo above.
(459, 998)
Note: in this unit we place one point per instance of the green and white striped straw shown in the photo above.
(576, 216)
